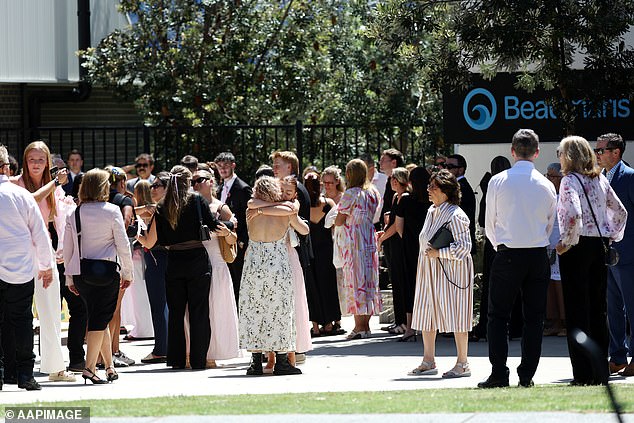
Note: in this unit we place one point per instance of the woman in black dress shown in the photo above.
(324, 272)
(400, 184)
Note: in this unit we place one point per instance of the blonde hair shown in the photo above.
(142, 193)
(267, 188)
(288, 157)
(94, 186)
(577, 156)
(177, 194)
(335, 172)
(207, 174)
(357, 174)
(46, 176)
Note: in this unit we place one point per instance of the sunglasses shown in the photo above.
(138, 165)
(199, 180)
(157, 186)
(601, 151)
(449, 166)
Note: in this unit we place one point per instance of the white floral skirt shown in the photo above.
(266, 316)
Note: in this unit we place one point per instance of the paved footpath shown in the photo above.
(335, 364)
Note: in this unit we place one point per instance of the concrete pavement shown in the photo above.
(335, 364)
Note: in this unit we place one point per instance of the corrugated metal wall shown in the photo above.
(38, 38)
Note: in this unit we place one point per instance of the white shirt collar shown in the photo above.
(227, 184)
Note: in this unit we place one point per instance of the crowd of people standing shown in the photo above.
(209, 267)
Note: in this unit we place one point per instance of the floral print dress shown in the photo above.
(359, 287)
(267, 305)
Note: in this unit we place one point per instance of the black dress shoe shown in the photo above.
(30, 385)
(526, 383)
(493, 382)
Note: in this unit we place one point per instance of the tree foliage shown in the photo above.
(208, 62)
(540, 39)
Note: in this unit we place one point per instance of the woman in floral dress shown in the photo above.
(359, 289)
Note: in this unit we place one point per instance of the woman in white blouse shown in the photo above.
(585, 192)
(103, 237)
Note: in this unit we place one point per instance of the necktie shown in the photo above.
(225, 193)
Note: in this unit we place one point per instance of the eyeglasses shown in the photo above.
(441, 165)
(157, 186)
(199, 180)
(601, 151)
(138, 165)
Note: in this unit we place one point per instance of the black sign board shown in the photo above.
(492, 111)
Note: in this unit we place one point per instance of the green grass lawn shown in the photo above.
(540, 398)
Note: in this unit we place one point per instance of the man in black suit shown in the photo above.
(74, 161)
(235, 193)
(286, 163)
(457, 165)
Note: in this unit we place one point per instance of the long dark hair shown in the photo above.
(177, 194)
(419, 179)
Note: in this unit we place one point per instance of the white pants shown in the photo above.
(49, 311)
(135, 306)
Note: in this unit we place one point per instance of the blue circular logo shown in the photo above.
(486, 114)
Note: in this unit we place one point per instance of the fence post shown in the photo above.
(146, 139)
(299, 139)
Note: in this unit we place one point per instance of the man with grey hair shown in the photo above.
(520, 214)
(22, 234)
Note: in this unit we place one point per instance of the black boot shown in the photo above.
(283, 367)
(255, 369)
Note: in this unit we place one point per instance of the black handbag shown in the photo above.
(205, 232)
(611, 254)
(442, 238)
(95, 272)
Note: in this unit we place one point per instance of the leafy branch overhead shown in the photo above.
(544, 40)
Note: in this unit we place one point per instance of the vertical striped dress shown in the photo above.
(438, 304)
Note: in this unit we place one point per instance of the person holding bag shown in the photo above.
(590, 216)
(93, 241)
(444, 282)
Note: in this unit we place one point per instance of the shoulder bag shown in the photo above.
(205, 232)
(228, 251)
(95, 272)
(442, 239)
(611, 254)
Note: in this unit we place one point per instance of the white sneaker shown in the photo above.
(123, 360)
(62, 376)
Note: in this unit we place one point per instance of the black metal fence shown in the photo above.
(319, 145)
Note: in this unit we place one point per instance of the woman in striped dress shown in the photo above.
(444, 282)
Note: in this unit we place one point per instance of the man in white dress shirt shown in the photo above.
(520, 214)
(26, 252)
(379, 180)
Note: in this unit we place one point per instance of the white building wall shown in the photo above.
(38, 38)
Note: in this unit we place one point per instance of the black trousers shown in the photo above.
(77, 322)
(15, 311)
(584, 278)
(513, 271)
(187, 284)
(235, 269)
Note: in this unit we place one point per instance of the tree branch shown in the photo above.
(271, 40)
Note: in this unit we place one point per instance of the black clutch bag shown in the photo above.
(442, 238)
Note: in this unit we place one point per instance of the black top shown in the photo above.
(120, 200)
(387, 198)
(188, 225)
(468, 205)
(413, 213)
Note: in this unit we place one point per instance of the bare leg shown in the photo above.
(106, 350)
(429, 346)
(115, 323)
(409, 330)
(94, 339)
(462, 345)
(291, 357)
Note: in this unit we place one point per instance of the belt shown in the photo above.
(502, 247)
(187, 245)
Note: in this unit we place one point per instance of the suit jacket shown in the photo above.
(468, 205)
(70, 185)
(623, 185)
(304, 201)
(129, 185)
(239, 195)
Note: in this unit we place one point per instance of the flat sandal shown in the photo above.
(425, 369)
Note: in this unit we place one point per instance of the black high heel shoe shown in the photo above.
(112, 376)
(96, 380)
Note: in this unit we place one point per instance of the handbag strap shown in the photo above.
(591, 210)
(200, 213)
(78, 226)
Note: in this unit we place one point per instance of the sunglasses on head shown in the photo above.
(600, 151)
(199, 180)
